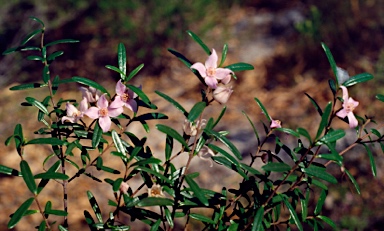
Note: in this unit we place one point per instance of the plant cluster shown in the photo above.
(83, 133)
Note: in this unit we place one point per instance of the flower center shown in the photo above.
(125, 97)
(349, 107)
(211, 71)
(103, 112)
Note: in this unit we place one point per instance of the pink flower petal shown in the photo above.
(120, 88)
(226, 80)
(352, 120)
(71, 109)
(118, 102)
(342, 113)
(200, 68)
(212, 60)
(222, 73)
(105, 123)
(92, 112)
(211, 82)
(132, 105)
(113, 112)
(83, 105)
(345, 93)
(102, 102)
(70, 119)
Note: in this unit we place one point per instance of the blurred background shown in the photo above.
(280, 38)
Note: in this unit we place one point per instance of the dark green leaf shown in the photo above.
(155, 201)
(156, 225)
(16, 217)
(168, 217)
(371, 160)
(250, 169)
(46, 76)
(289, 131)
(142, 96)
(168, 147)
(315, 104)
(10, 50)
(37, 20)
(227, 163)
(201, 218)
(331, 136)
(61, 228)
(122, 60)
(331, 60)
(198, 192)
(258, 220)
(332, 86)
(181, 57)
(224, 54)
(62, 41)
(56, 212)
(324, 120)
(293, 213)
(96, 136)
(276, 167)
(173, 102)
(198, 40)
(224, 153)
(51, 175)
(150, 171)
(54, 55)
(226, 142)
(30, 36)
(27, 86)
(113, 68)
(37, 104)
(35, 58)
(254, 128)
(240, 67)
(380, 97)
(327, 220)
(134, 72)
(304, 133)
(9, 171)
(150, 160)
(116, 184)
(117, 141)
(196, 111)
(172, 133)
(320, 202)
(95, 206)
(28, 176)
(263, 109)
(90, 83)
(220, 116)
(320, 172)
(42, 226)
(50, 141)
(360, 78)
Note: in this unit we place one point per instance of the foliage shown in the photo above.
(272, 197)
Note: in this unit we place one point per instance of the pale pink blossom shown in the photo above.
(91, 94)
(348, 106)
(191, 128)
(73, 114)
(222, 94)
(275, 123)
(124, 97)
(211, 73)
(205, 154)
(103, 112)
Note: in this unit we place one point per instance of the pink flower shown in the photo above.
(191, 128)
(125, 97)
(103, 113)
(211, 73)
(73, 114)
(348, 106)
(91, 94)
(205, 154)
(222, 94)
(275, 123)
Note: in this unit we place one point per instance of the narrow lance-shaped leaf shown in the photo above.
(331, 60)
(360, 78)
(16, 217)
(226, 142)
(50, 141)
(95, 206)
(371, 160)
(224, 54)
(90, 83)
(199, 41)
(122, 60)
(142, 96)
(276, 167)
(172, 133)
(30, 36)
(196, 190)
(324, 120)
(240, 67)
(263, 109)
(253, 127)
(196, 111)
(37, 104)
(317, 107)
(117, 141)
(181, 57)
(27, 86)
(293, 213)
(155, 201)
(380, 97)
(37, 20)
(173, 102)
(62, 41)
(28, 176)
(320, 202)
(96, 136)
(134, 72)
(9, 171)
(46, 76)
(258, 220)
(332, 136)
(201, 218)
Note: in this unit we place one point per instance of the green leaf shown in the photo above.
(220, 116)
(61, 228)
(201, 218)
(263, 109)
(196, 111)
(95, 206)
(293, 214)
(320, 202)
(173, 102)
(46, 76)
(134, 72)
(331, 136)
(371, 160)
(317, 107)
(37, 20)
(54, 55)
(331, 60)
(150, 171)
(9, 171)
(155, 201)
(172, 133)
(35, 58)
(117, 141)
(240, 67)
(168, 217)
(156, 225)
(360, 78)
(253, 127)
(320, 172)
(380, 97)
(224, 54)
(96, 136)
(30, 36)
(48, 210)
(90, 83)
(16, 217)
(227, 163)
(27, 86)
(181, 57)
(42, 226)
(224, 153)
(250, 169)
(197, 191)
(304, 133)
(28, 176)
(50, 141)
(116, 184)
(51, 175)
(37, 104)
(122, 60)
(327, 220)
(168, 147)
(258, 220)
(62, 41)
(142, 96)
(289, 131)
(276, 167)
(226, 142)
(324, 120)
(198, 40)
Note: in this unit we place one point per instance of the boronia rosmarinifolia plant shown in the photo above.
(82, 133)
